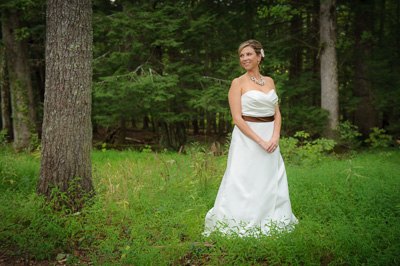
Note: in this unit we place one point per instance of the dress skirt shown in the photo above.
(253, 197)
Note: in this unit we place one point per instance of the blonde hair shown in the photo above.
(253, 44)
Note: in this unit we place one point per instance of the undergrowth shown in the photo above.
(150, 207)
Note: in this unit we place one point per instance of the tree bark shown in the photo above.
(365, 116)
(23, 111)
(221, 124)
(209, 123)
(164, 138)
(5, 96)
(67, 128)
(195, 124)
(146, 123)
(122, 132)
(329, 73)
(315, 36)
(296, 25)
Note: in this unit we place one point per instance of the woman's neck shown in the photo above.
(254, 73)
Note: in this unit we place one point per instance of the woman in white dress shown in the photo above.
(253, 197)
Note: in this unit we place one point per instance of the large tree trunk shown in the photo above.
(5, 96)
(23, 111)
(67, 129)
(329, 74)
(365, 115)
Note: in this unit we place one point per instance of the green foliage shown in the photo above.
(104, 147)
(348, 134)
(41, 231)
(300, 150)
(146, 149)
(35, 142)
(150, 209)
(22, 33)
(3, 140)
(180, 71)
(145, 67)
(72, 200)
(378, 138)
(299, 110)
(18, 173)
(117, 95)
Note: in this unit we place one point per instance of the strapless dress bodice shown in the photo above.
(259, 104)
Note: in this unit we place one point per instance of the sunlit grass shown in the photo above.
(150, 208)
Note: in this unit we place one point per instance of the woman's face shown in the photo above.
(248, 58)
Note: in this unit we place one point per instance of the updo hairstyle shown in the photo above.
(253, 44)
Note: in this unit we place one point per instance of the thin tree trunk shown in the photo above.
(67, 128)
(296, 50)
(23, 111)
(209, 123)
(178, 134)
(381, 22)
(221, 124)
(229, 127)
(202, 123)
(365, 116)
(5, 96)
(329, 73)
(146, 123)
(195, 124)
(156, 128)
(122, 132)
(315, 36)
(133, 122)
(214, 123)
(164, 139)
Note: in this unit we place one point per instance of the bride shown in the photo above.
(253, 197)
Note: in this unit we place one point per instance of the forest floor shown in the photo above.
(8, 257)
(139, 138)
(150, 209)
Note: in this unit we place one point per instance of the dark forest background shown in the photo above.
(162, 69)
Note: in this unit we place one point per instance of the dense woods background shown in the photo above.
(156, 74)
(162, 69)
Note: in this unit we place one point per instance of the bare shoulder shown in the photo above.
(240, 80)
(270, 82)
(269, 79)
(236, 85)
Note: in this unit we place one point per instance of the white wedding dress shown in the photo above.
(254, 195)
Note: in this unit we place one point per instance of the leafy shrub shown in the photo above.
(301, 150)
(146, 149)
(378, 138)
(34, 143)
(348, 134)
(3, 139)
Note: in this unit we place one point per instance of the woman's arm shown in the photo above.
(234, 97)
(274, 141)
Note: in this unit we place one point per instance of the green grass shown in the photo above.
(150, 209)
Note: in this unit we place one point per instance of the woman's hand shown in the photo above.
(270, 146)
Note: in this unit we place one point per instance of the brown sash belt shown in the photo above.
(258, 119)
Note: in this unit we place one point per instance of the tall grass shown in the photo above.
(150, 209)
